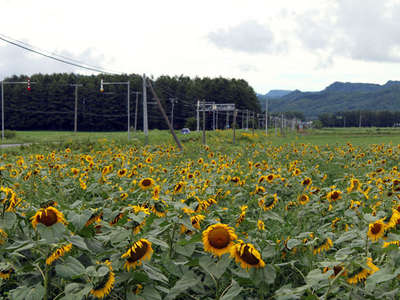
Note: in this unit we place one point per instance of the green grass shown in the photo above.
(330, 136)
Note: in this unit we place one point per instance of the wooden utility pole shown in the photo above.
(204, 122)
(165, 117)
(136, 108)
(266, 117)
(234, 126)
(253, 118)
(198, 115)
(76, 106)
(145, 122)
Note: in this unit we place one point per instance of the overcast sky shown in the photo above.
(285, 44)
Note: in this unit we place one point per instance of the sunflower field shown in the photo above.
(251, 221)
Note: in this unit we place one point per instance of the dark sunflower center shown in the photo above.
(146, 182)
(303, 198)
(159, 207)
(248, 257)
(48, 218)
(138, 254)
(337, 269)
(269, 202)
(306, 181)
(270, 177)
(376, 228)
(219, 238)
(335, 195)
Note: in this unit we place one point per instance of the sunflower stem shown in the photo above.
(171, 241)
(46, 282)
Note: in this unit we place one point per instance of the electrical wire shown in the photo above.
(95, 69)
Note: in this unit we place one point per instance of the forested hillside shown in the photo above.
(49, 105)
(340, 97)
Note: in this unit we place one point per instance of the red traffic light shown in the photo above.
(29, 84)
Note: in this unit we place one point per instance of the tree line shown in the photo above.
(50, 104)
(360, 118)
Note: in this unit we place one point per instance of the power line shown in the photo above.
(95, 69)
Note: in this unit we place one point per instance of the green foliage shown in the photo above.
(50, 104)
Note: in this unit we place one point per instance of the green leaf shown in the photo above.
(347, 236)
(315, 276)
(154, 273)
(269, 274)
(79, 220)
(185, 250)
(382, 275)
(71, 268)
(187, 281)
(76, 291)
(293, 243)
(8, 220)
(52, 234)
(233, 290)
(78, 241)
(28, 293)
(215, 268)
(158, 242)
(150, 293)
(268, 251)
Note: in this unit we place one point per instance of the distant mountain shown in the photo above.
(277, 93)
(339, 96)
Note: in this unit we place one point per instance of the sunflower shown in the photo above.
(246, 255)
(268, 202)
(387, 244)
(325, 245)
(260, 225)
(376, 230)
(303, 199)
(218, 239)
(95, 218)
(354, 185)
(48, 216)
(139, 251)
(122, 173)
(58, 253)
(118, 217)
(159, 209)
(6, 273)
(179, 187)
(156, 192)
(146, 183)
(306, 182)
(242, 215)
(334, 195)
(104, 287)
(361, 274)
(3, 236)
(195, 220)
(290, 205)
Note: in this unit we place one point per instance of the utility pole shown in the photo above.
(266, 117)
(253, 122)
(76, 107)
(359, 124)
(165, 117)
(198, 115)
(136, 108)
(247, 119)
(227, 120)
(28, 83)
(145, 123)
(216, 120)
(128, 85)
(242, 120)
(234, 125)
(204, 122)
(173, 101)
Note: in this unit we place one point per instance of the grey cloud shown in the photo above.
(249, 37)
(367, 30)
(16, 61)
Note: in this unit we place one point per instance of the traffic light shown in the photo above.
(101, 86)
(29, 84)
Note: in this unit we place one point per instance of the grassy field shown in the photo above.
(313, 215)
(327, 136)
